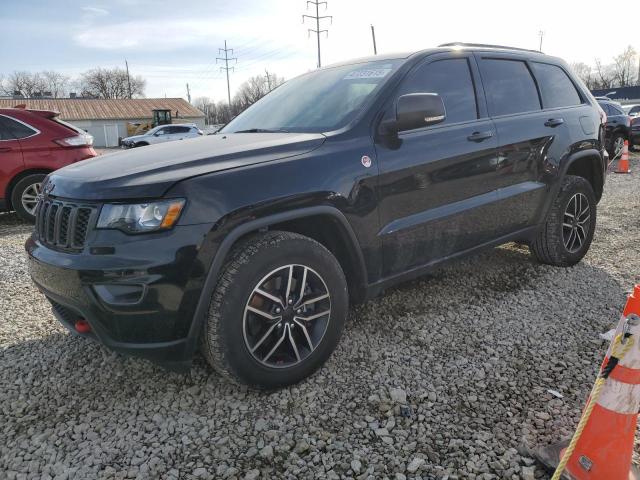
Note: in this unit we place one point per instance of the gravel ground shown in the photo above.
(446, 377)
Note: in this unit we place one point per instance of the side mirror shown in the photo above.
(417, 110)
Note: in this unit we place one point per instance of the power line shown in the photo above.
(226, 67)
(317, 18)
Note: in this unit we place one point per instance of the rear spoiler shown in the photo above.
(42, 113)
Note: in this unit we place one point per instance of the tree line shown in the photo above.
(94, 83)
(248, 93)
(622, 71)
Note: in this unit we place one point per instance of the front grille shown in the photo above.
(62, 224)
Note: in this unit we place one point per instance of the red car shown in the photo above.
(32, 144)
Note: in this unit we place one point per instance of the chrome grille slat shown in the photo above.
(64, 225)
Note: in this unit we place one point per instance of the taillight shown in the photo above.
(83, 140)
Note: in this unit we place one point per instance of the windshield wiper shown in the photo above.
(263, 130)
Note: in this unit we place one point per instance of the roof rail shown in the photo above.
(484, 45)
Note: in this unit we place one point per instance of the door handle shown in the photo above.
(554, 122)
(479, 136)
(5, 149)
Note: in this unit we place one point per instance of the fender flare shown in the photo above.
(562, 172)
(230, 239)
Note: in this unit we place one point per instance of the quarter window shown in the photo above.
(555, 86)
(451, 79)
(12, 129)
(509, 87)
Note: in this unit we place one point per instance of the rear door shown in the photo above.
(531, 140)
(11, 161)
(437, 184)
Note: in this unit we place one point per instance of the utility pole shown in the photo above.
(541, 35)
(268, 75)
(317, 18)
(373, 36)
(226, 67)
(188, 94)
(128, 78)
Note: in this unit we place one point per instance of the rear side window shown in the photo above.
(451, 79)
(13, 129)
(555, 86)
(509, 87)
(615, 110)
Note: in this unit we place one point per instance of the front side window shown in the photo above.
(15, 129)
(509, 86)
(555, 86)
(320, 101)
(451, 79)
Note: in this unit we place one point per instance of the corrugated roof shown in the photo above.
(112, 109)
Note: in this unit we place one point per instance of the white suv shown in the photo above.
(162, 134)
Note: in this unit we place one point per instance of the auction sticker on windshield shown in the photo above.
(369, 73)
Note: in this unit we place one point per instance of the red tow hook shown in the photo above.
(82, 326)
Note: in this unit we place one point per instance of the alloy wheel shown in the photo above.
(576, 222)
(29, 197)
(618, 144)
(286, 316)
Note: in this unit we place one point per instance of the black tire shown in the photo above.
(550, 245)
(225, 342)
(611, 145)
(24, 185)
(141, 144)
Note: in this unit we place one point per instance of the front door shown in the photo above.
(437, 184)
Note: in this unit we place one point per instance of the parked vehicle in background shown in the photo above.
(618, 126)
(162, 134)
(34, 143)
(251, 243)
(632, 110)
(635, 133)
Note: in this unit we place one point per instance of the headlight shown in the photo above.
(141, 217)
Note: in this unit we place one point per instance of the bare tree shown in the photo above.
(624, 67)
(209, 108)
(605, 76)
(584, 73)
(25, 83)
(56, 83)
(110, 83)
(253, 90)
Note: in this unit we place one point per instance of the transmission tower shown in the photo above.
(226, 67)
(317, 18)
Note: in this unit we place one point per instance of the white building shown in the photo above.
(107, 120)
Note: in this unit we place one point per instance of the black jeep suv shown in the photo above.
(251, 243)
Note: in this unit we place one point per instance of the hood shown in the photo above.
(150, 171)
(134, 137)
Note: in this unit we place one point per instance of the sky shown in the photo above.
(171, 43)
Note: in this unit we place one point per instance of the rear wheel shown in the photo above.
(24, 196)
(277, 312)
(566, 234)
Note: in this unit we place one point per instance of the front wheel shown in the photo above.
(616, 145)
(565, 236)
(277, 312)
(24, 196)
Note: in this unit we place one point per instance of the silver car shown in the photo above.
(162, 134)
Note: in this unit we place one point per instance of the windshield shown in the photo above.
(320, 101)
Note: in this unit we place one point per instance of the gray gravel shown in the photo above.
(445, 377)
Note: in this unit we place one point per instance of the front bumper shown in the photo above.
(138, 294)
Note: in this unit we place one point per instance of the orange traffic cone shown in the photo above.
(602, 446)
(623, 163)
